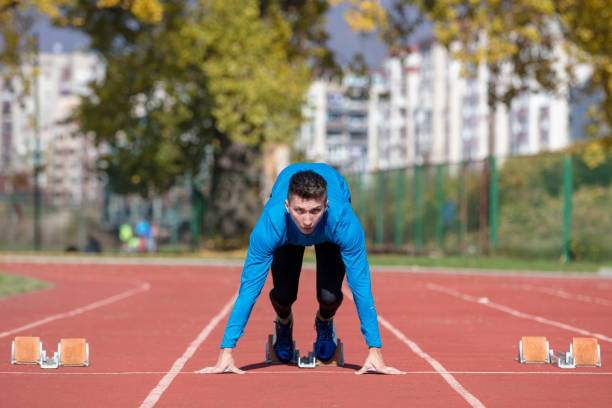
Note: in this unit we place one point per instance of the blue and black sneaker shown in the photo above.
(283, 341)
(326, 342)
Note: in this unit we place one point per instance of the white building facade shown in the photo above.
(422, 110)
(67, 157)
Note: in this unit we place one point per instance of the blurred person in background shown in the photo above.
(309, 205)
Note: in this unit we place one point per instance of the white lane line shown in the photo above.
(317, 371)
(516, 313)
(565, 295)
(439, 368)
(142, 288)
(178, 365)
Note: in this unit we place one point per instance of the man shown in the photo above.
(309, 205)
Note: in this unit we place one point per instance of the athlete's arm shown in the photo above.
(358, 279)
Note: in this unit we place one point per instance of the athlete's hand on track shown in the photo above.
(225, 364)
(374, 362)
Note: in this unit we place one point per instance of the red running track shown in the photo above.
(151, 327)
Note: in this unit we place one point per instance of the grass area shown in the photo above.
(13, 285)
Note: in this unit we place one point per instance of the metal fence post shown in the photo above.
(439, 204)
(399, 195)
(418, 222)
(567, 206)
(379, 207)
(464, 203)
(493, 207)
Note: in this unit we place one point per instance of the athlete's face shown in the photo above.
(305, 212)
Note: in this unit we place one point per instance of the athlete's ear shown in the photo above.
(287, 205)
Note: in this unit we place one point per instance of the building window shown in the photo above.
(544, 126)
(8, 85)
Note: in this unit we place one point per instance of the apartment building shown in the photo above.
(67, 157)
(336, 125)
(421, 109)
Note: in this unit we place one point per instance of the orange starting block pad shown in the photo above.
(534, 349)
(26, 350)
(73, 352)
(584, 352)
(70, 352)
(308, 361)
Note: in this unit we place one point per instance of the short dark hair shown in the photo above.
(307, 184)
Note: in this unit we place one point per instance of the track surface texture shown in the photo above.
(152, 326)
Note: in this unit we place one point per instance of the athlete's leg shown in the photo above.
(286, 267)
(330, 274)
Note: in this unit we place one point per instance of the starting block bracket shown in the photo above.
(309, 361)
(49, 362)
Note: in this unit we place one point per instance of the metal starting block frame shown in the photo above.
(70, 352)
(307, 361)
(583, 352)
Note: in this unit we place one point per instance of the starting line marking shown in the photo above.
(178, 365)
(455, 385)
(311, 372)
(486, 302)
(142, 288)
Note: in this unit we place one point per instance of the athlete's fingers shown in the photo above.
(366, 367)
(235, 370)
(392, 370)
(207, 370)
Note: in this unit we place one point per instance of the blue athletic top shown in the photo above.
(276, 228)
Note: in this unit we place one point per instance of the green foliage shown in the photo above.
(207, 73)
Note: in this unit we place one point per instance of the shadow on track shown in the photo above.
(263, 364)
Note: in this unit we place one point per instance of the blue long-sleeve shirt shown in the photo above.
(275, 228)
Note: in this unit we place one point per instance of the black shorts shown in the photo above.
(287, 265)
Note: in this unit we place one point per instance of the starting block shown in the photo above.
(26, 350)
(533, 349)
(307, 361)
(70, 352)
(584, 352)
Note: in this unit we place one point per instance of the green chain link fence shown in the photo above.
(547, 206)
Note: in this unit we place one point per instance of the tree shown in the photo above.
(218, 73)
(587, 27)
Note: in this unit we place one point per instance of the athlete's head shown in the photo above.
(306, 199)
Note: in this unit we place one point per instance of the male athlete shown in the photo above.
(309, 205)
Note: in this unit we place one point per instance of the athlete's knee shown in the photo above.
(326, 297)
(280, 299)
